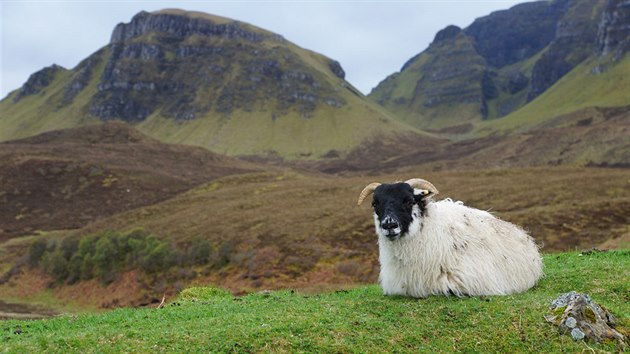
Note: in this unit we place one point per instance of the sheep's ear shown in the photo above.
(419, 193)
(424, 188)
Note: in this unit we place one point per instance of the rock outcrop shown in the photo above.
(188, 64)
(508, 36)
(613, 34)
(38, 81)
(582, 318)
(454, 73)
(177, 23)
(573, 42)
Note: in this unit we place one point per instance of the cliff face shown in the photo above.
(613, 36)
(509, 36)
(512, 57)
(187, 66)
(574, 41)
(178, 24)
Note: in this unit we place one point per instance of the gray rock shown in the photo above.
(506, 37)
(82, 77)
(576, 334)
(578, 315)
(182, 26)
(614, 29)
(336, 68)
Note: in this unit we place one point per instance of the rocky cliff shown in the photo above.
(613, 36)
(233, 65)
(512, 57)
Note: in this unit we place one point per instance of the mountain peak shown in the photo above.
(449, 32)
(181, 24)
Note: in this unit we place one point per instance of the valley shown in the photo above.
(272, 226)
(194, 149)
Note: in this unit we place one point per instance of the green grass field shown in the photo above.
(357, 320)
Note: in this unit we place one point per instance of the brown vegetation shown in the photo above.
(274, 227)
(66, 179)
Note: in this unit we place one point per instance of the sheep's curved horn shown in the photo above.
(422, 184)
(369, 189)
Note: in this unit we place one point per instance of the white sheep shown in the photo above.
(446, 248)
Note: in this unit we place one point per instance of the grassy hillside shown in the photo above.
(281, 229)
(585, 86)
(356, 320)
(441, 87)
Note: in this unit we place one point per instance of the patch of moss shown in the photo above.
(195, 294)
(588, 313)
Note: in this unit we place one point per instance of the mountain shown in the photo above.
(524, 65)
(68, 178)
(193, 78)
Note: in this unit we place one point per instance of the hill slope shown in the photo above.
(280, 229)
(357, 320)
(66, 179)
(529, 63)
(193, 78)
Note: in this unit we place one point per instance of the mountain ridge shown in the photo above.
(519, 54)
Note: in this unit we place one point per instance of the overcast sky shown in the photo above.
(371, 39)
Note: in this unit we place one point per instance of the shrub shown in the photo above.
(55, 264)
(36, 252)
(198, 253)
(107, 254)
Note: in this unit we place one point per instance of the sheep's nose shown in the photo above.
(389, 223)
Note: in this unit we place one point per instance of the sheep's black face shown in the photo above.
(395, 208)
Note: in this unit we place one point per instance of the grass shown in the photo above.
(357, 320)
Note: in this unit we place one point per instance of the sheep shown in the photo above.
(442, 247)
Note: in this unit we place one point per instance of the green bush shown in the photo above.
(106, 255)
(199, 252)
(36, 252)
(55, 264)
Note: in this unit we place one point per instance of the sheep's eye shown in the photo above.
(374, 203)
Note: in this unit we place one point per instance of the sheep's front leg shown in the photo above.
(391, 282)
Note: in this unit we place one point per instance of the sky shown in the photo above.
(371, 39)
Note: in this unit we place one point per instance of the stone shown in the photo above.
(336, 68)
(576, 334)
(578, 315)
